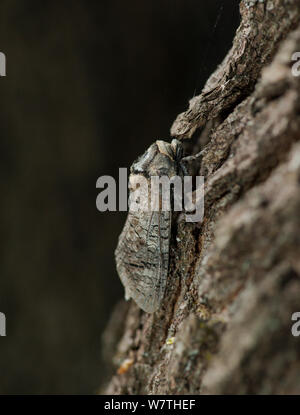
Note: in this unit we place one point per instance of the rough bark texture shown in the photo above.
(233, 284)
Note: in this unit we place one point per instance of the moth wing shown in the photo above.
(142, 257)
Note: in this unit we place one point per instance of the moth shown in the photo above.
(142, 253)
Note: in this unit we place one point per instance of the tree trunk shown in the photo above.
(233, 282)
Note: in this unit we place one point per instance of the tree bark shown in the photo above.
(233, 282)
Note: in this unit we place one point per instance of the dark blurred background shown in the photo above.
(89, 85)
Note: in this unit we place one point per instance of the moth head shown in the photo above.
(161, 158)
(177, 149)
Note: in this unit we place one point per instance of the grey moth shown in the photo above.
(142, 253)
